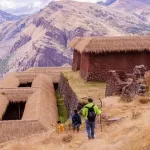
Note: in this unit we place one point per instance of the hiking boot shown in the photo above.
(93, 137)
(89, 138)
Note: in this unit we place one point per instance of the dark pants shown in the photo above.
(90, 127)
(76, 126)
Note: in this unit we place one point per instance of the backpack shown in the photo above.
(91, 113)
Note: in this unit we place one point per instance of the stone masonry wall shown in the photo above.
(100, 64)
(68, 95)
(115, 83)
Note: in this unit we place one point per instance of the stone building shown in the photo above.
(28, 103)
(95, 56)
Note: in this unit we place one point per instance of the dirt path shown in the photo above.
(132, 132)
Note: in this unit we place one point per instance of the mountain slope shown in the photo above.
(129, 5)
(42, 39)
(139, 8)
(4, 16)
(107, 3)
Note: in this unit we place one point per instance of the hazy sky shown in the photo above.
(28, 6)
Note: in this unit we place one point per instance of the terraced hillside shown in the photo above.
(41, 39)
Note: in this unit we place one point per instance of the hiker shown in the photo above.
(90, 111)
(59, 127)
(76, 121)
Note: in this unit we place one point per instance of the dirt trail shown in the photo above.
(130, 133)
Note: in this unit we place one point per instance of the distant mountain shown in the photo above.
(41, 39)
(129, 5)
(4, 16)
(139, 8)
(107, 3)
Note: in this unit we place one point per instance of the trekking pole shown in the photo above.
(101, 115)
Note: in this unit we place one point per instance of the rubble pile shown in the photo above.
(127, 84)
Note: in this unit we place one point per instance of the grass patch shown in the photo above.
(62, 110)
(136, 114)
(126, 98)
(84, 89)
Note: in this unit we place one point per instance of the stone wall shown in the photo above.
(96, 66)
(124, 84)
(115, 83)
(68, 95)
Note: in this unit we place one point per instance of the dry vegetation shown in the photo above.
(85, 89)
(111, 44)
(144, 100)
(130, 133)
(40, 113)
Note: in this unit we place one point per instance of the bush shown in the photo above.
(62, 110)
(144, 100)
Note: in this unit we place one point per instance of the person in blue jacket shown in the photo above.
(76, 121)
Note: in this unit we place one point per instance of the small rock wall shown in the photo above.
(114, 84)
(119, 84)
(68, 95)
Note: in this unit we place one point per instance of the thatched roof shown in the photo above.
(40, 113)
(74, 41)
(12, 130)
(111, 44)
(9, 81)
(40, 99)
(54, 72)
(42, 105)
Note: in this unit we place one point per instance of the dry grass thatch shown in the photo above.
(111, 44)
(11, 81)
(3, 105)
(41, 104)
(48, 69)
(25, 77)
(13, 130)
(17, 94)
(74, 41)
(54, 72)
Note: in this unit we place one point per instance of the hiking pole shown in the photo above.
(101, 115)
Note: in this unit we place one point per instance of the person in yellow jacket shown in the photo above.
(59, 127)
(90, 111)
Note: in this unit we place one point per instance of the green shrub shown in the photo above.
(62, 110)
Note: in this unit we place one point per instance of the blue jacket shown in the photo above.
(76, 119)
